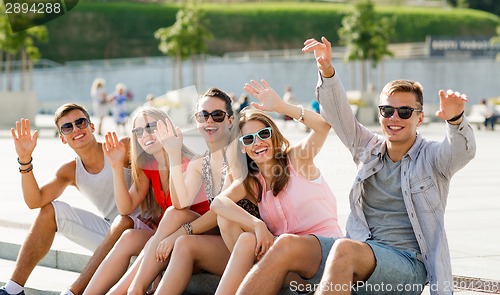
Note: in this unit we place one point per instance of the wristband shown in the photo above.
(27, 170)
(456, 118)
(24, 164)
(188, 228)
(301, 118)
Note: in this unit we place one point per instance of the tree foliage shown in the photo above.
(492, 6)
(365, 36)
(188, 35)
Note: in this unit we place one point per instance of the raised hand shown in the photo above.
(322, 53)
(114, 150)
(24, 141)
(270, 101)
(451, 104)
(168, 138)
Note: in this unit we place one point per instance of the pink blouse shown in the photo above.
(303, 207)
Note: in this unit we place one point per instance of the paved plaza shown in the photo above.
(473, 210)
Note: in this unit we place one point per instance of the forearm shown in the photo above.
(459, 147)
(228, 209)
(307, 117)
(31, 191)
(181, 197)
(204, 223)
(123, 199)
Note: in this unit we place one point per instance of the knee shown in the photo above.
(184, 245)
(122, 223)
(283, 248)
(246, 242)
(173, 215)
(342, 252)
(47, 215)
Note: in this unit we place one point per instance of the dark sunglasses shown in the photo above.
(403, 112)
(217, 115)
(263, 134)
(139, 131)
(67, 128)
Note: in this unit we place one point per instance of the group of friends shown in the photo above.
(254, 208)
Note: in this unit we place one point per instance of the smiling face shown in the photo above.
(77, 137)
(146, 140)
(214, 132)
(261, 151)
(399, 132)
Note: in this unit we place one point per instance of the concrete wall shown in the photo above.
(478, 78)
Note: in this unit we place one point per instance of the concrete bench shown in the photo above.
(476, 115)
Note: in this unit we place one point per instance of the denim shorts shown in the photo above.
(397, 272)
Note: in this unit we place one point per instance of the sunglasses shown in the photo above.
(217, 115)
(403, 112)
(149, 128)
(67, 128)
(263, 134)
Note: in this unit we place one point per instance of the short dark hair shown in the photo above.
(405, 86)
(66, 108)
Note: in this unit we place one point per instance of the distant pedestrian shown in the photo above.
(490, 115)
(119, 100)
(288, 97)
(99, 102)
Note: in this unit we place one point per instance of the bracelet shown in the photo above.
(188, 228)
(27, 170)
(456, 118)
(301, 118)
(24, 164)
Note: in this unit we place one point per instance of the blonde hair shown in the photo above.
(140, 158)
(281, 149)
(98, 83)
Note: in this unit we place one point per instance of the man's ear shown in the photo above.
(92, 127)
(63, 140)
(420, 119)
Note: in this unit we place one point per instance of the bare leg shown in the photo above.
(117, 261)
(149, 268)
(241, 261)
(187, 256)
(289, 253)
(230, 231)
(349, 261)
(120, 224)
(41, 234)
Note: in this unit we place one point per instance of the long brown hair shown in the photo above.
(140, 158)
(281, 148)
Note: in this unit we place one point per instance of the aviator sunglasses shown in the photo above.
(403, 112)
(67, 128)
(217, 115)
(139, 131)
(263, 134)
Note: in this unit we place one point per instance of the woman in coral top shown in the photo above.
(292, 195)
(150, 191)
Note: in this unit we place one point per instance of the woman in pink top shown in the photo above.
(292, 196)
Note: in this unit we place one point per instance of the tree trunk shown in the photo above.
(23, 70)
(30, 76)
(202, 71)
(353, 75)
(8, 85)
(194, 61)
(179, 70)
(363, 75)
(1, 70)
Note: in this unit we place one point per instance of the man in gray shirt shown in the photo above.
(395, 241)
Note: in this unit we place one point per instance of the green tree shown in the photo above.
(496, 41)
(492, 6)
(366, 36)
(186, 38)
(20, 44)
